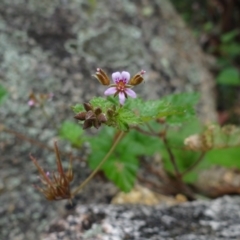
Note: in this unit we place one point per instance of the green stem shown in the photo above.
(117, 140)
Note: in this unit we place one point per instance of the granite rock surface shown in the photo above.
(200, 220)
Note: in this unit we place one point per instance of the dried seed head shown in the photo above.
(96, 124)
(98, 110)
(56, 186)
(87, 106)
(81, 116)
(87, 124)
(90, 115)
(102, 118)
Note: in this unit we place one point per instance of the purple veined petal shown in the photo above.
(116, 76)
(110, 91)
(121, 98)
(130, 93)
(125, 76)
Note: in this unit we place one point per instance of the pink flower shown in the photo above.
(120, 87)
(122, 83)
(31, 103)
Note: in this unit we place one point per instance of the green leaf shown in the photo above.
(103, 103)
(126, 118)
(137, 144)
(230, 49)
(78, 108)
(71, 132)
(184, 158)
(208, 26)
(122, 117)
(229, 76)
(180, 99)
(147, 110)
(224, 157)
(3, 94)
(228, 37)
(122, 165)
(122, 170)
(175, 108)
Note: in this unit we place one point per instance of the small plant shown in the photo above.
(132, 128)
(129, 128)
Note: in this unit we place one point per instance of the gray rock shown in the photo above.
(200, 220)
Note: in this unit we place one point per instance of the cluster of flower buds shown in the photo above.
(91, 117)
(39, 99)
(56, 186)
(122, 83)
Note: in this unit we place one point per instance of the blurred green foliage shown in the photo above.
(72, 132)
(215, 23)
(3, 93)
(229, 76)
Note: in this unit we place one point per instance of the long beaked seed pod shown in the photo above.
(102, 77)
(137, 79)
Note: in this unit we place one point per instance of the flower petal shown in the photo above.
(130, 93)
(116, 76)
(110, 91)
(121, 98)
(125, 76)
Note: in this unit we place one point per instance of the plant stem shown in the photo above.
(200, 158)
(116, 141)
(172, 158)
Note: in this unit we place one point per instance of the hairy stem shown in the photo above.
(116, 141)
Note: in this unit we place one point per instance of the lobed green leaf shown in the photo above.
(71, 132)
(122, 165)
(174, 108)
